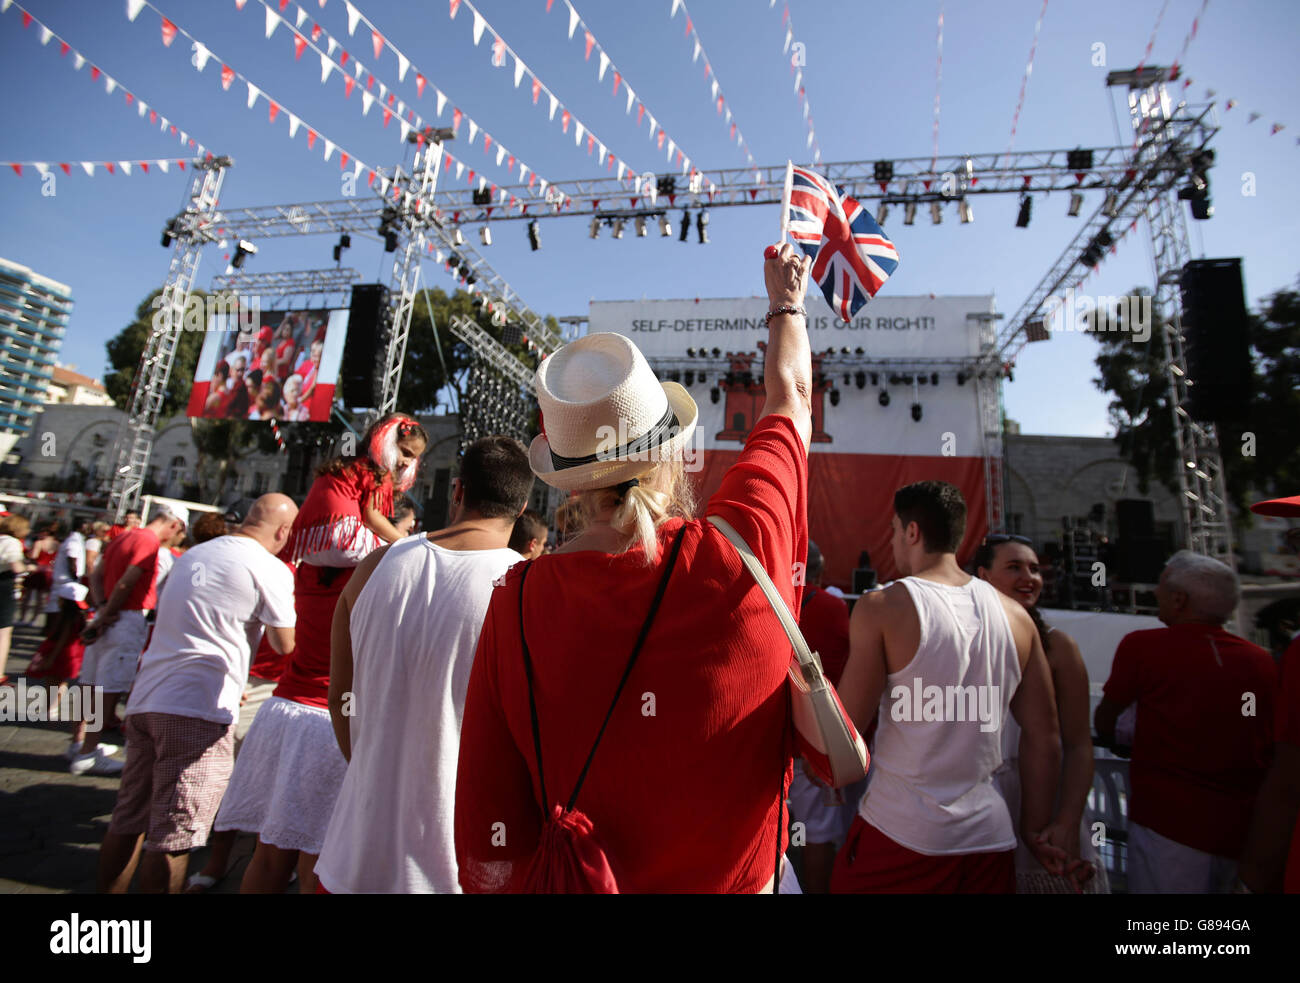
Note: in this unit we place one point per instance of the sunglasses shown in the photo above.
(998, 538)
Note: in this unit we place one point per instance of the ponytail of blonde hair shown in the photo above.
(663, 493)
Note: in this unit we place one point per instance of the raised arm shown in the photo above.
(787, 369)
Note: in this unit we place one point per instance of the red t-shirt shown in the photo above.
(306, 675)
(1197, 759)
(683, 791)
(1288, 732)
(824, 621)
(133, 548)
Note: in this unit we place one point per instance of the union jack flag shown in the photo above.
(851, 257)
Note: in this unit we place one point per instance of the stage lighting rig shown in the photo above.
(618, 228)
(883, 398)
(595, 228)
(964, 212)
(835, 397)
(665, 226)
(686, 225)
(534, 236)
(1026, 209)
(242, 252)
(485, 236)
(1076, 203)
(883, 171)
(909, 213)
(1078, 160)
(640, 226)
(936, 212)
(171, 231)
(458, 237)
(702, 226)
(882, 213)
(916, 412)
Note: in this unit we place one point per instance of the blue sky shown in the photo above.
(870, 78)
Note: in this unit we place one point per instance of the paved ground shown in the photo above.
(51, 821)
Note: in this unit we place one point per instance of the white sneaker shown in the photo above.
(74, 749)
(97, 762)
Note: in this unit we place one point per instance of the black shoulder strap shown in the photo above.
(636, 651)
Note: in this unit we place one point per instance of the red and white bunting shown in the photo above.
(111, 84)
(796, 70)
(43, 167)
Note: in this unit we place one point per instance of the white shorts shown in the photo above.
(286, 779)
(111, 660)
(1159, 865)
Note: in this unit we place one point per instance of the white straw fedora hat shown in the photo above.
(605, 416)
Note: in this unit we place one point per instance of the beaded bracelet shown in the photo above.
(785, 310)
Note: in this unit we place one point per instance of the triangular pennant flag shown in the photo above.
(377, 40)
(510, 164)
(537, 89)
(227, 76)
(46, 35)
(577, 133)
(388, 114)
(591, 41)
(604, 64)
(640, 112)
(564, 121)
(89, 167)
(78, 59)
(654, 125)
(64, 47)
(601, 155)
(501, 152)
(621, 169)
(479, 24)
(343, 160)
(662, 134)
(460, 169)
(1253, 117)
(94, 73)
(162, 165)
(299, 46)
(181, 164)
(455, 6)
(133, 8)
(383, 185)
(357, 169)
(18, 169)
(456, 117)
(301, 16)
(311, 137)
(168, 32)
(696, 57)
(110, 84)
(367, 100)
(329, 149)
(326, 66)
(201, 56)
(403, 63)
(519, 72)
(294, 123)
(354, 15)
(573, 21)
(272, 22)
(498, 53)
(406, 128)
(420, 83)
(554, 102)
(715, 88)
(348, 84)
(618, 80)
(487, 141)
(144, 166)
(253, 93)
(523, 169)
(473, 132)
(67, 169)
(273, 111)
(673, 13)
(130, 98)
(1276, 127)
(442, 101)
(108, 165)
(330, 45)
(125, 165)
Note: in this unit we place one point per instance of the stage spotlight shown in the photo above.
(916, 412)
(618, 229)
(686, 225)
(964, 212)
(338, 253)
(1026, 207)
(458, 237)
(690, 378)
(169, 233)
(690, 352)
(835, 397)
(1076, 202)
(1202, 208)
(534, 236)
(847, 378)
(875, 378)
(934, 378)
(883, 170)
(961, 378)
(1078, 160)
(1110, 207)
(895, 379)
(242, 252)
(883, 398)
(595, 228)
(485, 236)
(936, 212)
(345, 241)
(860, 379)
(922, 380)
(714, 394)
(390, 241)
(702, 226)
(674, 376)
(909, 213)
(882, 214)
(859, 350)
(704, 379)
(640, 226)
(665, 226)
(717, 352)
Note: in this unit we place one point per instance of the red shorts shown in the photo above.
(871, 863)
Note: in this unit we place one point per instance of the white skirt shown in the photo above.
(287, 776)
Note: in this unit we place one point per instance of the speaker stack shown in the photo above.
(370, 325)
(1139, 553)
(1216, 329)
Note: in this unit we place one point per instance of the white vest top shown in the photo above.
(939, 738)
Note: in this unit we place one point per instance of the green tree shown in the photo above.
(1260, 453)
(126, 348)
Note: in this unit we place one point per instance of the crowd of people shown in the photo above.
(473, 709)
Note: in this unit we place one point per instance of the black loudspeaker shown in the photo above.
(863, 580)
(1139, 559)
(369, 325)
(1216, 329)
(1136, 518)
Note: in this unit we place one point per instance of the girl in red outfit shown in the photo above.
(36, 587)
(289, 769)
(59, 657)
(686, 787)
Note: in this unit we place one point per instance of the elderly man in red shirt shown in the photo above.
(1204, 732)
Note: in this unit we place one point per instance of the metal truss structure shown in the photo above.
(416, 220)
(326, 283)
(189, 231)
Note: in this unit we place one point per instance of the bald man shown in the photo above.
(180, 718)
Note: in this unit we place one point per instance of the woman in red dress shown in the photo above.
(685, 789)
(36, 587)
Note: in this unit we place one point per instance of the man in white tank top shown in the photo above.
(404, 635)
(941, 657)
